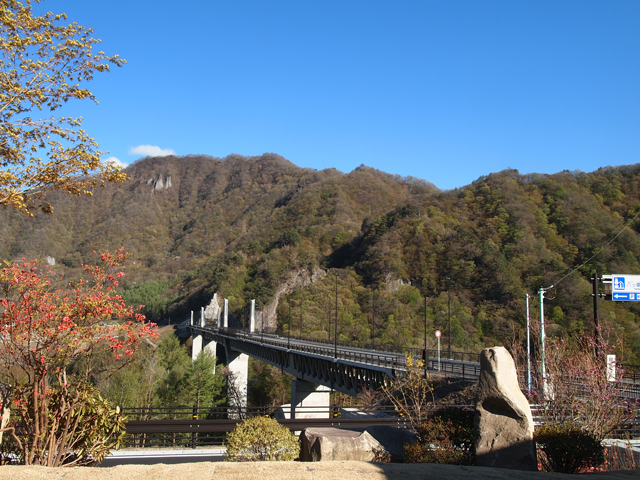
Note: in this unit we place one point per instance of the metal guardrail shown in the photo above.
(191, 427)
(162, 431)
(628, 429)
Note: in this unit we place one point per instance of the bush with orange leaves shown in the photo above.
(50, 329)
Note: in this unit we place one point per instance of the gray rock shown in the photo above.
(392, 441)
(503, 422)
(375, 444)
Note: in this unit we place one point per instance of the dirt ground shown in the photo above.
(290, 470)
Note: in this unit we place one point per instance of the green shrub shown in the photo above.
(261, 438)
(445, 437)
(567, 449)
(84, 434)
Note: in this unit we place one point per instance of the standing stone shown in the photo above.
(503, 422)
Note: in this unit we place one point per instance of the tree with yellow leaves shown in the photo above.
(44, 64)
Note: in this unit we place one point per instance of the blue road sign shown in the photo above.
(625, 288)
(626, 297)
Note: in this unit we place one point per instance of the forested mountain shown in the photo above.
(264, 228)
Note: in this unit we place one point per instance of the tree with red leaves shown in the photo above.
(51, 338)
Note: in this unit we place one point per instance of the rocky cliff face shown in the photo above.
(297, 279)
(159, 184)
(268, 313)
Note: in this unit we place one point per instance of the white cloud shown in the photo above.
(151, 151)
(117, 161)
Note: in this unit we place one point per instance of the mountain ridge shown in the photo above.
(242, 225)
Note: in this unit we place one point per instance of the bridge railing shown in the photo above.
(461, 366)
(370, 358)
(400, 350)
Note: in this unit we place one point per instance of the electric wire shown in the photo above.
(597, 253)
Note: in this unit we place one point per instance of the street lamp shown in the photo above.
(426, 352)
(300, 324)
(289, 326)
(373, 319)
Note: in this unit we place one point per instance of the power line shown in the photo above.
(597, 253)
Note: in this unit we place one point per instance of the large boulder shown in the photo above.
(392, 441)
(375, 444)
(503, 422)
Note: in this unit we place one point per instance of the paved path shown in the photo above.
(291, 470)
(169, 456)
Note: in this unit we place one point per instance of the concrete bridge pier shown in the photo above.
(198, 342)
(315, 400)
(196, 345)
(238, 364)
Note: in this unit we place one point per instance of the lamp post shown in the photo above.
(289, 325)
(373, 318)
(426, 352)
(300, 324)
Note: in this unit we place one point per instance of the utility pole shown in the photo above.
(449, 310)
(596, 313)
(335, 334)
(426, 352)
(544, 372)
(528, 349)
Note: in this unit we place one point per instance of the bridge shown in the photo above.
(318, 368)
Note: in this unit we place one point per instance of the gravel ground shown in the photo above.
(290, 470)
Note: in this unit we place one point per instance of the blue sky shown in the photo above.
(442, 90)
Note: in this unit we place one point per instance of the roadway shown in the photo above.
(150, 456)
(443, 366)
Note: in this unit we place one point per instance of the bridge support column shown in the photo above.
(226, 313)
(197, 341)
(212, 348)
(237, 381)
(196, 347)
(315, 400)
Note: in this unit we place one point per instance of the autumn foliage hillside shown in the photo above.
(246, 227)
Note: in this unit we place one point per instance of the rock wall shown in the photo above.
(297, 279)
(213, 311)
